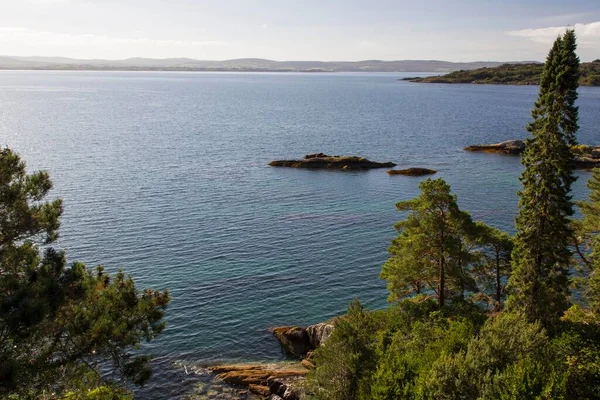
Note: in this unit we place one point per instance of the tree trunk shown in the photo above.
(498, 277)
(442, 283)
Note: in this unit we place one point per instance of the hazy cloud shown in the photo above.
(587, 34)
(31, 42)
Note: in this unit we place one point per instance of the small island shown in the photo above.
(324, 161)
(511, 74)
(586, 157)
(412, 171)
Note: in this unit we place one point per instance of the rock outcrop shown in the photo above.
(293, 339)
(324, 161)
(511, 147)
(412, 171)
(586, 157)
(279, 381)
(298, 341)
(265, 380)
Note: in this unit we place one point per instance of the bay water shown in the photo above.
(165, 174)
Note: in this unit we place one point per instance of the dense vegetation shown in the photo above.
(477, 314)
(512, 74)
(65, 331)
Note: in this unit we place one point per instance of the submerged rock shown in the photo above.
(412, 171)
(586, 157)
(324, 161)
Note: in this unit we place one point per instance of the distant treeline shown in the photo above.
(237, 65)
(512, 74)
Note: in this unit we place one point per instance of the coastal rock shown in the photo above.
(511, 147)
(260, 390)
(586, 157)
(293, 339)
(282, 380)
(286, 389)
(298, 341)
(307, 364)
(261, 378)
(324, 161)
(319, 333)
(412, 171)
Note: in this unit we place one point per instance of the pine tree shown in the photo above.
(432, 252)
(60, 326)
(589, 232)
(539, 284)
(493, 266)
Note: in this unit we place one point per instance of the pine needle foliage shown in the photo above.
(62, 327)
(541, 257)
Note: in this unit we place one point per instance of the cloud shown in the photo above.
(588, 35)
(16, 41)
(90, 39)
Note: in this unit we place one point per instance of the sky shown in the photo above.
(327, 30)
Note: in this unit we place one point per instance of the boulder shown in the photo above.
(324, 161)
(412, 171)
(319, 333)
(307, 364)
(293, 339)
(260, 390)
(298, 341)
(285, 388)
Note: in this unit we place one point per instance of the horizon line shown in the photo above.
(271, 60)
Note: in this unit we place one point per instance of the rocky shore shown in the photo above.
(586, 157)
(277, 381)
(325, 161)
(268, 381)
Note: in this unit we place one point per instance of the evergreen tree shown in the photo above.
(58, 324)
(589, 232)
(493, 266)
(539, 284)
(431, 253)
(345, 363)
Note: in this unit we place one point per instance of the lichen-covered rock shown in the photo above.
(319, 333)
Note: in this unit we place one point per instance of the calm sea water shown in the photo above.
(165, 175)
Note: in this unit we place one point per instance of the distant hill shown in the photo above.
(243, 64)
(511, 74)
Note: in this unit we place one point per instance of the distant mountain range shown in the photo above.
(242, 64)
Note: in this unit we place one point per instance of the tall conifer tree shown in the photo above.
(589, 228)
(539, 284)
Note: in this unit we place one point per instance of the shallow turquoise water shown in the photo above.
(165, 174)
